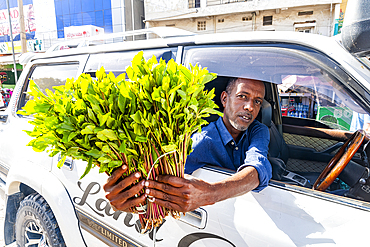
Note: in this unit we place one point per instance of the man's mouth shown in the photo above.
(246, 117)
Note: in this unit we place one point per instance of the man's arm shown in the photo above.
(187, 194)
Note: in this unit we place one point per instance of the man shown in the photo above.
(234, 141)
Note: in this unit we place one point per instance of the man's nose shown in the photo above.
(248, 106)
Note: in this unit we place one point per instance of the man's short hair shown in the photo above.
(230, 85)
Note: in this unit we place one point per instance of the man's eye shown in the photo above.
(258, 102)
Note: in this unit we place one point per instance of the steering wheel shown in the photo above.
(339, 161)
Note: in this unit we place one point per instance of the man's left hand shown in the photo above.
(181, 194)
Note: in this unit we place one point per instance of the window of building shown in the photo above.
(305, 13)
(202, 25)
(267, 20)
(221, 20)
(170, 25)
(142, 19)
(246, 18)
(304, 30)
(194, 4)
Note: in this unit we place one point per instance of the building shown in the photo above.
(51, 21)
(210, 16)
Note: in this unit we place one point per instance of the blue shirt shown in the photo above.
(215, 146)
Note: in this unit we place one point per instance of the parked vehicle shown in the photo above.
(308, 73)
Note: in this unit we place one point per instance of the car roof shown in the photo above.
(331, 46)
(317, 42)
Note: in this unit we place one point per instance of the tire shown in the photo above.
(36, 224)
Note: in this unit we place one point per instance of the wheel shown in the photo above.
(339, 161)
(36, 225)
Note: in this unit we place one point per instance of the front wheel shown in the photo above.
(36, 224)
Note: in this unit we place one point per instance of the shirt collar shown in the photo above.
(224, 133)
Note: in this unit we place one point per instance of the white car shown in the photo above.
(314, 87)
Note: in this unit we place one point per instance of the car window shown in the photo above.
(117, 62)
(316, 97)
(47, 76)
(310, 85)
(259, 63)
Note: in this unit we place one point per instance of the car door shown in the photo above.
(285, 214)
(46, 73)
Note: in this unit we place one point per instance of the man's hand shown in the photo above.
(120, 194)
(181, 194)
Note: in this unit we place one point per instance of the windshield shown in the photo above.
(317, 97)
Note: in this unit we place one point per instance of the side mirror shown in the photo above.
(356, 27)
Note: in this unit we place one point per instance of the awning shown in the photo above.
(8, 59)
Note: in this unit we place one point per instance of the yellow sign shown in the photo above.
(6, 47)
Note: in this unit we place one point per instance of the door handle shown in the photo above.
(196, 218)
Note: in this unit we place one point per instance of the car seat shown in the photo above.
(278, 154)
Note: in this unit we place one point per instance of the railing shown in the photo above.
(153, 32)
(219, 2)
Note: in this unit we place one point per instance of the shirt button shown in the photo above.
(236, 148)
(232, 143)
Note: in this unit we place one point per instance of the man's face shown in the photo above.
(242, 105)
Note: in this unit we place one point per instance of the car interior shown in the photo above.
(302, 165)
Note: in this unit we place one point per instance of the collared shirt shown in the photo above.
(215, 146)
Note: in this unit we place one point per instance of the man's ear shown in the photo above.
(223, 98)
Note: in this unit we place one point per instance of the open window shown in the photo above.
(312, 105)
(117, 62)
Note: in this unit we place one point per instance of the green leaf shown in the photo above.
(182, 94)
(141, 139)
(71, 136)
(88, 167)
(43, 107)
(169, 148)
(94, 153)
(89, 129)
(115, 163)
(187, 74)
(133, 151)
(107, 134)
(208, 77)
(137, 117)
(103, 118)
(122, 148)
(104, 159)
(91, 115)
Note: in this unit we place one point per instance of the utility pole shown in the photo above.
(22, 27)
(11, 38)
(132, 18)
